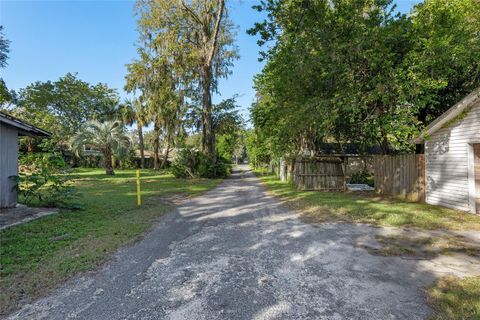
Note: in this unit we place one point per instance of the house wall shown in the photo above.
(8, 165)
(447, 162)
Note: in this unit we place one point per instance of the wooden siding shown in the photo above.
(447, 162)
(8, 165)
(401, 176)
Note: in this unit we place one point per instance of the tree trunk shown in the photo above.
(142, 146)
(384, 142)
(107, 158)
(156, 146)
(208, 135)
(165, 154)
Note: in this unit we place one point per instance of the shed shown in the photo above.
(10, 129)
(452, 156)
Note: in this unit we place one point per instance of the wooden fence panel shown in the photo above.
(319, 175)
(402, 176)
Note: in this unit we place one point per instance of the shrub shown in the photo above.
(362, 177)
(185, 163)
(213, 168)
(191, 163)
(42, 180)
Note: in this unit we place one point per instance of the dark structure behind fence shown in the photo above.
(401, 176)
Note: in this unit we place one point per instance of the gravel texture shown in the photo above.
(237, 253)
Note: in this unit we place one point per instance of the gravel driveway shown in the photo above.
(237, 253)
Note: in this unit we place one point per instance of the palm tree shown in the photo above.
(107, 137)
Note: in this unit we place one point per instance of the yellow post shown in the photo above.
(139, 197)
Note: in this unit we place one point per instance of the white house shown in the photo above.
(452, 156)
(10, 129)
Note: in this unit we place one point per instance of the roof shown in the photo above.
(24, 128)
(457, 109)
(150, 154)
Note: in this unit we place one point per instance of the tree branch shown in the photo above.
(215, 32)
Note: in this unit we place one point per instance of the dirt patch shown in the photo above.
(423, 247)
(21, 214)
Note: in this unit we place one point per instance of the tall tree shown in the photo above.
(444, 63)
(65, 105)
(195, 37)
(7, 97)
(4, 48)
(353, 71)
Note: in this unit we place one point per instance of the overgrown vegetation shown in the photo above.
(43, 181)
(362, 177)
(37, 256)
(192, 163)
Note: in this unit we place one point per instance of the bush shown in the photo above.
(42, 180)
(213, 168)
(185, 163)
(191, 163)
(362, 177)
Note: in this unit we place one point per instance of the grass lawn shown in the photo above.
(452, 298)
(369, 208)
(455, 299)
(38, 256)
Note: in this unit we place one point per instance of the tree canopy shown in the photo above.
(354, 71)
(65, 105)
(192, 43)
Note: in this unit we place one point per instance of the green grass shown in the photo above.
(368, 208)
(455, 299)
(37, 256)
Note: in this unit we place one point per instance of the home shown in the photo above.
(10, 129)
(452, 156)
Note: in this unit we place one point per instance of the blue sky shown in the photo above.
(97, 38)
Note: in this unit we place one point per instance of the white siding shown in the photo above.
(8, 165)
(446, 162)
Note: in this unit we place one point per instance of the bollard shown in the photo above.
(139, 197)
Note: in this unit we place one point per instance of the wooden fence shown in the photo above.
(401, 176)
(325, 174)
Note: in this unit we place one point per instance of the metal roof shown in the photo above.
(23, 127)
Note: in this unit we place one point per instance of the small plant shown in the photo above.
(43, 181)
(362, 177)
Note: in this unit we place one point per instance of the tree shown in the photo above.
(444, 63)
(333, 72)
(195, 38)
(162, 96)
(4, 48)
(108, 137)
(227, 124)
(65, 105)
(131, 111)
(7, 97)
(352, 71)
